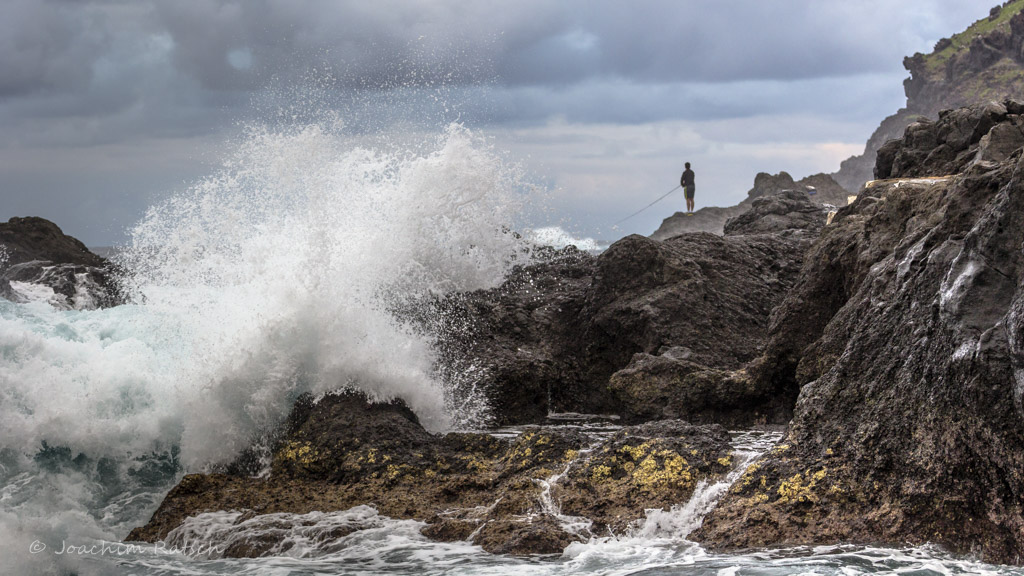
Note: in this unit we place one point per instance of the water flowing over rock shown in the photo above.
(39, 262)
(903, 336)
(532, 493)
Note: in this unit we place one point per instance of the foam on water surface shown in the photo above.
(280, 274)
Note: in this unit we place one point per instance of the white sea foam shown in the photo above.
(287, 266)
(558, 237)
(279, 274)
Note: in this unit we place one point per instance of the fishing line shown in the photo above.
(648, 206)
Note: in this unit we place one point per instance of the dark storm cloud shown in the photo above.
(85, 82)
(187, 67)
(172, 59)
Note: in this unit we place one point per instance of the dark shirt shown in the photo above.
(687, 179)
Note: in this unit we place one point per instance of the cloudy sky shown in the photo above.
(107, 106)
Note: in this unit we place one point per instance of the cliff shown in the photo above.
(983, 63)
(904, 336)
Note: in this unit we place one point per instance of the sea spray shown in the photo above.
(288, 264)
(277, 275)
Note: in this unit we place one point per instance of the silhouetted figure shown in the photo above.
(688, 187)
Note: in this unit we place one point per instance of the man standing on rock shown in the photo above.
(687, 183)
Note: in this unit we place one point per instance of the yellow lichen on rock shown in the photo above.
(674, 471)
(394, 471)
(600, 473)
(800, 488)
(299, 452)
(635, 453)
(748, 478)
(475, 464)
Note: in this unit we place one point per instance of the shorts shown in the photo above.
(689, 192)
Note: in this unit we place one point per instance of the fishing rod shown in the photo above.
(665, 195)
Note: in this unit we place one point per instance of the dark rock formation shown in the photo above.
(653, 387)
(710, 219)
(984, 63)
(503, 494)
(778, 211)
(961, 138)
(37, 254)
(551, 338)
(821, 189)
(904, 338)
(30, 239)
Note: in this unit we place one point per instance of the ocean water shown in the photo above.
(279, 274)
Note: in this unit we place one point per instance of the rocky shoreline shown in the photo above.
(39, 262)
(343, 451)
(903, 334)
(889, 343)
(893, 337)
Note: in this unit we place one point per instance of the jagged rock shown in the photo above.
(39, 262)
(821, 189)
(536, 535)
(517, 337)
(661, 387)
(709, 219)
(778, 211)
(550, 339)
(903, 336)
(63, 286)
(948, 146)
(502, 494)
(330, 439)
(984, 63)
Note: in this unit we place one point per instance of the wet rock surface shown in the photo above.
(902, 338)
(39, 262)
(510, 495)
(552, 338)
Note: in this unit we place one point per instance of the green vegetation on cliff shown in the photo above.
(961, 42)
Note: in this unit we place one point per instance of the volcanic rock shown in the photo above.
(778, 211)
(551, 338)
(820, 189)
(508, 495)
(43, 263)
(982, 64)
(903, 337)
(32, 238)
